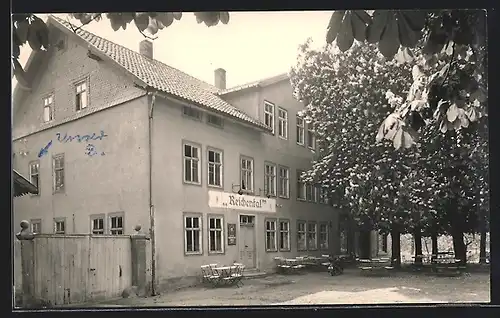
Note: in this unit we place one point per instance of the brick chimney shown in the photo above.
(146, 48)
(220, 78)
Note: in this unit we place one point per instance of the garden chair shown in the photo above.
(208, 276)
(238, 273)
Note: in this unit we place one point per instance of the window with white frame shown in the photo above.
(192, 234)
(270, 179)
(36, 226)
(271, 235)
(48, 108)
(311, 137)
(312, 236)
(269, 115)
(284, 238)
(310, 192)
(323, 195)
(301, 236)
(60, 225)
(116, 224)
(191, 112)
(58, 163)
(97, 224)
(191, 164)
(81, 95)
(315, 194)
(215, 234)
(214, 168)
(246, 165)
(323, 236)
(284, 182)
(300, 130)
(301, 187)
(35, 174)
(282, 123)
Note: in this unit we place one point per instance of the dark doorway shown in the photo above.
(364, 244)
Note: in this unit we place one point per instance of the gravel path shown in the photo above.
(321, 288)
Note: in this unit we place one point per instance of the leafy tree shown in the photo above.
(345, 100)
(460, 85)
(450, 183)
(455, 94)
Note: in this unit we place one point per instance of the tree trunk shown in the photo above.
(434, 244)
(418, 245)
(459, 246)
(396, 248)
(482, 247)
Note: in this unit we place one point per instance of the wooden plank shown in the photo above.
(84, 276)
(60, 267)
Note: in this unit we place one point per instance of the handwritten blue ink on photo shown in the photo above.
(90, 150)
(44, 150)
(80, 138)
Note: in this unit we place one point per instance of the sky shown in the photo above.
(252, 46)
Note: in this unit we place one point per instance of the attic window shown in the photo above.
(214, 120)
(48, 108)
(81, 95)
(191, 112)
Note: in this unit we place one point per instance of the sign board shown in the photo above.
(228, 200)
(231, 234)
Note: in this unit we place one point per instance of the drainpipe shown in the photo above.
(152, 98)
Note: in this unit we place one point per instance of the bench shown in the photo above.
(288, 266)
(375, 266)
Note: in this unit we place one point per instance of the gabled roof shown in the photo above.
(21, 185)
(158, 75)
(259, 83)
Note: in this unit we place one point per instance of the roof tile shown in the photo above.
(163, 77)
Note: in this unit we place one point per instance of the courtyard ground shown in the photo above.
(321, 288)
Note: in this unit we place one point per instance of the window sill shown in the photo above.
(271, 251)
(285, 250)
(282, 138)
(216, 253)
(301, 144)
(213, 186)
(192, 183)
(58, 191)
(302, 200)
(284, 197)
(193, 253)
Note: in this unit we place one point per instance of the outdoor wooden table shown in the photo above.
(223, 271)
(292, 265)
(446, 264)
(228, 274)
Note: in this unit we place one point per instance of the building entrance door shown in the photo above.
(247, 240)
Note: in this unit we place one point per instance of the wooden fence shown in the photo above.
(71, 269)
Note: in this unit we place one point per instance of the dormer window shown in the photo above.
(81, 95)
(48, 108)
